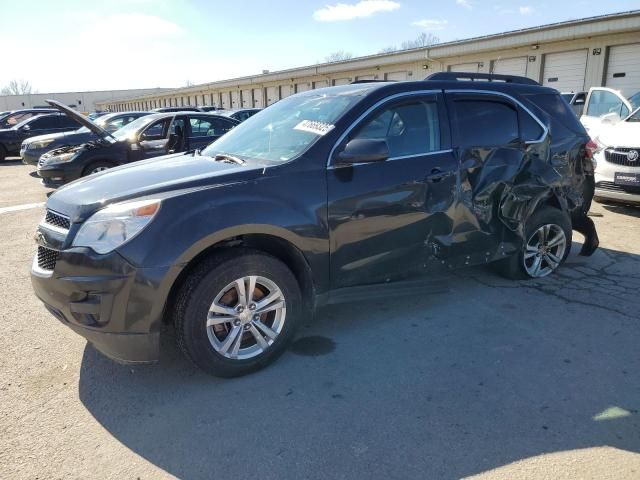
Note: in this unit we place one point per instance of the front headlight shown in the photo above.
(39, 144)
(111, 227)
(62, 158)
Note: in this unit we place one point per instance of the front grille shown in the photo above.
(47, 258)
(612, 187)
(57, 220)
(619, 156)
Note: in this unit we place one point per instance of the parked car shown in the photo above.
(330, 195)
(240, 114)
(576, 101)
(613, 121)
(147, 137)
(34, 147)
(607, 106)
(14, 117)
(96, 115)
(175, 109)
(210, 108)
(12, 138)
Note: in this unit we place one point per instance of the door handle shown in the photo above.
(436, 175)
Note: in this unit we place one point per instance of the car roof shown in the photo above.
(366, 88)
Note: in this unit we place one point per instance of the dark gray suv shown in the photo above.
(327, 196)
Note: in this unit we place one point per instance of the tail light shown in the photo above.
(591, 149)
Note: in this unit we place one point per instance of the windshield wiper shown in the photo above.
(225, 157)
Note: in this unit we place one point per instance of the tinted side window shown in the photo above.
(484, 123)
(210, 127)
(563, 121)
(66, 122)
(410, 128)
(530, 130)
(45, 122)
(156, 131)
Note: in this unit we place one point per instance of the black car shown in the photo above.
(210, 108)
(32, 148)
(14, 117)
(12, 138)
(240, 114)
(147, 137)
(330, 195)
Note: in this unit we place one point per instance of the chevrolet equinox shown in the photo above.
(327, 196)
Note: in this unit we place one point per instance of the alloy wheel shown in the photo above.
(545, 250)
(246, 317)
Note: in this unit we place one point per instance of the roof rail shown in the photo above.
(370, 81)
(487, 77)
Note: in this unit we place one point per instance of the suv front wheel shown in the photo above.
(548, 241)
(237, 312)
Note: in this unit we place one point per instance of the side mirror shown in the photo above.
(25, 128)
(610, 118)
(579, 101)
(364, 150)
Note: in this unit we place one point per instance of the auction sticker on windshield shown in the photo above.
(319, 128)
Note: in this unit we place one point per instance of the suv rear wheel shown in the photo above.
(237, 312)
(548, 241)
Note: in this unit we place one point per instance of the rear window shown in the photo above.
(563, 121)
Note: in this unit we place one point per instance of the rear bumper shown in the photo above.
(116, 307)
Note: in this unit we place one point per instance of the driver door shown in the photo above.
(383, 214)
(153, 140)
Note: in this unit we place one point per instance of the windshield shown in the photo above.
(285, 129)
(129, 130)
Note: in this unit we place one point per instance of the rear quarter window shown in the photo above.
(563, 121)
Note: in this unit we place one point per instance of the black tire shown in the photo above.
(514, 266)
(205, 283)
(3, 153)
(92, 166)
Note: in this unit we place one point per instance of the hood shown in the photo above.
(156, 176)
(59, 136)
(622, 134)
(81, 119)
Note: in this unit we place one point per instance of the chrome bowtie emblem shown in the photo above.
(633, 155)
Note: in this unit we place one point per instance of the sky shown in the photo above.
(73, 45)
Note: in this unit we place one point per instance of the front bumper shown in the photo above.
(103, 298)
(605, 181)
(58, 174)
(30, 156)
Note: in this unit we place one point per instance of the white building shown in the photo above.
(569, 56)
(82, 101)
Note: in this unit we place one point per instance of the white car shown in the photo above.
(613, 122)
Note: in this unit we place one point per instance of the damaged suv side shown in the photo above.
(326, 196)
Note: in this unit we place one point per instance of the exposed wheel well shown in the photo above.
(283, 250)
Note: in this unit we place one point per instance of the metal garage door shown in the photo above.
(235, 99)
(258, 98)
(247, 102)
(465, 67)
(623, 68)
(342, 81)
(302, 87)
(365, 77)
(225, 100)
(321, 84)
(396, 76)
(272, 95)
(286, 90)
(565, 71)
(511, 66)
